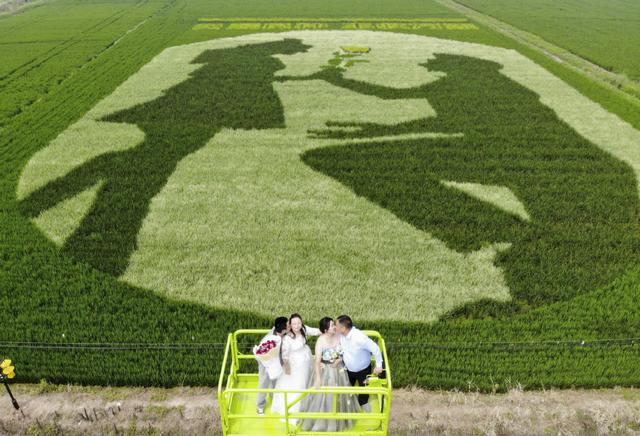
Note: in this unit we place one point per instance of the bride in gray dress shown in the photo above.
(328, 371)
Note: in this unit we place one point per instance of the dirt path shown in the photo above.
(11, 6)
(50, 409)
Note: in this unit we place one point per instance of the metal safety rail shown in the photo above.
(377, 421)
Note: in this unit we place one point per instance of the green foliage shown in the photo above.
(347, 59)
(583, 203)
(45, 294)
(231, 90)
(606, 33)
(40, 49)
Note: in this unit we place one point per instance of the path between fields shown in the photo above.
(10, 6)
(51, 409)
(618, 83)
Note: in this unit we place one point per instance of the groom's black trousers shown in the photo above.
(360, 377)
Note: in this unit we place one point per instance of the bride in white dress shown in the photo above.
(297, 362)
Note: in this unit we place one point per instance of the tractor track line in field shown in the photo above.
(57, 50)
(618, 83)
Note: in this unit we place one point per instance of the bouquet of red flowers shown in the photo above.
(266, 351)
(265, 347)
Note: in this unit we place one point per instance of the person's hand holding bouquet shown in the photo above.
(268, 354)
(265, 350)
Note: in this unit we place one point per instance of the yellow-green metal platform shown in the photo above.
(237, 399)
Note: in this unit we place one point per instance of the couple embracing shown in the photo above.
(342, 358)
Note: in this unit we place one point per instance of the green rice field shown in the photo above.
(174, 170)
(606, 33)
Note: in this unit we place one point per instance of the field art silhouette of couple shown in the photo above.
(233, 89)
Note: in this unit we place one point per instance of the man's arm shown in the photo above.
(367, 343)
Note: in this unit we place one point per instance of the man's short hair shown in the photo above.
(280, 324)
(345, 320)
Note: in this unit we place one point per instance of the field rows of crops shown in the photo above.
(43, 49)
(606, 33)
(569, 209)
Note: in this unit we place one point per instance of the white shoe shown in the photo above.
(366, 407)
(260, 411)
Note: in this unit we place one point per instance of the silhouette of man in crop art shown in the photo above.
(232, 89)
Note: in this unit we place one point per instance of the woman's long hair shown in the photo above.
(325, 323)
(303, 331)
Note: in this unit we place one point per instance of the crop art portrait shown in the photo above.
(427, 176)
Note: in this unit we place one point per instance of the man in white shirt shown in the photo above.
(357, 349)
(279, 329)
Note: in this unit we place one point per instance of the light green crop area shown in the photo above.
(500, 196)
(244, 220)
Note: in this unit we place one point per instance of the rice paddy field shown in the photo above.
(174, 170)
(606, 33)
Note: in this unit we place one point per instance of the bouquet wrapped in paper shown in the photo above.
(268, 354)
(266, 350)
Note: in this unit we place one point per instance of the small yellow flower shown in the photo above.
(5, 363)
(8, 370)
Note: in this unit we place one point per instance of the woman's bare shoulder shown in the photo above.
(321, 340)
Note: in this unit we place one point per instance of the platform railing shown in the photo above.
(226, 392)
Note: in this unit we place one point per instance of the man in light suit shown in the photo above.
(265, 381)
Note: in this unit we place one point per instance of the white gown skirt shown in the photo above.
(300, 362)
